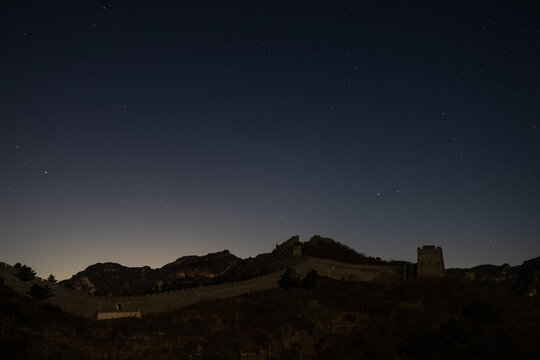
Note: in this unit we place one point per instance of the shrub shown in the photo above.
(290, 279)
(310, 280)
(25, 273)
(40, 292)
(482, 313)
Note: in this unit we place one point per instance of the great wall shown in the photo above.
(85, 305)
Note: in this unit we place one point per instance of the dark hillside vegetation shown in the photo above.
(522, 279)
(327, 248)
(437, 319)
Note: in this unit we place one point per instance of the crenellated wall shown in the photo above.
(82, 304)
(356, 272)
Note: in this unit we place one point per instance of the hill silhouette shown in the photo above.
(327, 248)
(495, 317)
(523, 279)
(213, 268)
(222, 267)
(115, 279)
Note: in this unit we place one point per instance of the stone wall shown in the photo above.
(82, 304)
(357, 272)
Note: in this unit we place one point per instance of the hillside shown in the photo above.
(523, 279)
(187, 271)
(214, 268)
(327, 248)
(439, 319)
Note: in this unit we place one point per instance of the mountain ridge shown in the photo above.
(189, 271)
(218, 267)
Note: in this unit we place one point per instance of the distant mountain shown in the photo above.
(523, 279)
(115, 279)
(111, 278)
(529, 277)
(220, 267)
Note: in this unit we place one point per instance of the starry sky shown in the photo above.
(139, 132)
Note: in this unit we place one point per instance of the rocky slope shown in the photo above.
(187, 271)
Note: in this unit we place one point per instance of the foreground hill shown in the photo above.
(214, 268)
(438, 319)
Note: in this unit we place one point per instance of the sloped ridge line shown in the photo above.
(85, 305)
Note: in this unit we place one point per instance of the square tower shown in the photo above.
(430, 262)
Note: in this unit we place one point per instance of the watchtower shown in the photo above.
(291, 247)
(430, 262)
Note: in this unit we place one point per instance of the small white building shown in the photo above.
(106, 315)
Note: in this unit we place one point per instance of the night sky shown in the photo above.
(139, 132)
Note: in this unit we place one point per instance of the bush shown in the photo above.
(25, 273)
(40, 292)
(310, 280)
(482, 313)
(290, 279)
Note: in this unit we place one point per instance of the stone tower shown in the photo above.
(430, 262)
(291, 247)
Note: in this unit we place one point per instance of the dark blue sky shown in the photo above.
(139, 133)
